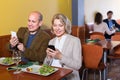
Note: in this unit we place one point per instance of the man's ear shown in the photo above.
(40, 23)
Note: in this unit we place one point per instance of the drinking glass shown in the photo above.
(16, 56)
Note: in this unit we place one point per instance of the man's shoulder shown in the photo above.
(22, 30)
(105, 20)
(114, 20)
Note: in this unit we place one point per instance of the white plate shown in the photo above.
(35, 70)
(1, 61)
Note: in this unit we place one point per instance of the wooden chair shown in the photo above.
(82, 34)
(92, 55)
(4, 52)
(79, 31)
(97, 35)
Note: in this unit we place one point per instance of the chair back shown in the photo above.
(92, 55)
(97, 35)
(115, 37)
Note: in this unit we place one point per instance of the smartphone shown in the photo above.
(13, 34)
(11, 68)
(51, 47)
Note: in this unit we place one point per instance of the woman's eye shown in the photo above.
(60, 25)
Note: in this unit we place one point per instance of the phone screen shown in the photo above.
(51, 47)
(13, 34)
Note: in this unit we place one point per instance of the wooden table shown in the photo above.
(8, 75)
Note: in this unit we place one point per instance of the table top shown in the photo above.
(8, 75)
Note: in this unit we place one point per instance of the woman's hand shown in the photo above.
(14, 41)
(54, 53)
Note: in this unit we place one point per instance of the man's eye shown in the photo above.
(33, 21)
(28, 20)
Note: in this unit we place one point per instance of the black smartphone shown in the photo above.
(11, 68)
(51, 47)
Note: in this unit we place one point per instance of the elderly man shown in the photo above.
(31, 41)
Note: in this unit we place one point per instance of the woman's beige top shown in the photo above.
(71, 56)
(102, 27)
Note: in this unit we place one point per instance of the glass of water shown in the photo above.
(16, 56)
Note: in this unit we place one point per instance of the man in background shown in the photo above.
(31, 40)
(111, 23)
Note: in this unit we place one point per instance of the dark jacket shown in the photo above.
(116, 25)
(37, 50)
(113, 21)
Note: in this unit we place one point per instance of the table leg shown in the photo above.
(105, 62)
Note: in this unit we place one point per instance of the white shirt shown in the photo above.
(58, 45)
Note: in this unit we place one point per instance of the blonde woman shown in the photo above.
(67, 53)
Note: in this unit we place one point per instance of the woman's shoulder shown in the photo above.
(69, 37)
(72, 38)
(52, 41)
(103, 23)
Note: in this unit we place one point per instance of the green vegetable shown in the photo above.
(45, 69)
(7, 61)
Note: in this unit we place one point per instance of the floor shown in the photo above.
(113, 72)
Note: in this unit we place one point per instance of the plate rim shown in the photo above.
(1, 58)
(38, 73)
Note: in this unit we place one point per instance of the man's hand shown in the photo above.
(21, 47)
(14, 41)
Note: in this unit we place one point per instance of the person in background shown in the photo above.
(67, 53)
(100, 26)
(31, 40)
(111, 23)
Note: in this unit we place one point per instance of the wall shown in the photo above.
(92, 6)
(14, 13)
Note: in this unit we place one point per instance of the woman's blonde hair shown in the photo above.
(64, 20)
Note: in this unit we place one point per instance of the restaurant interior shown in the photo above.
(14, 14)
